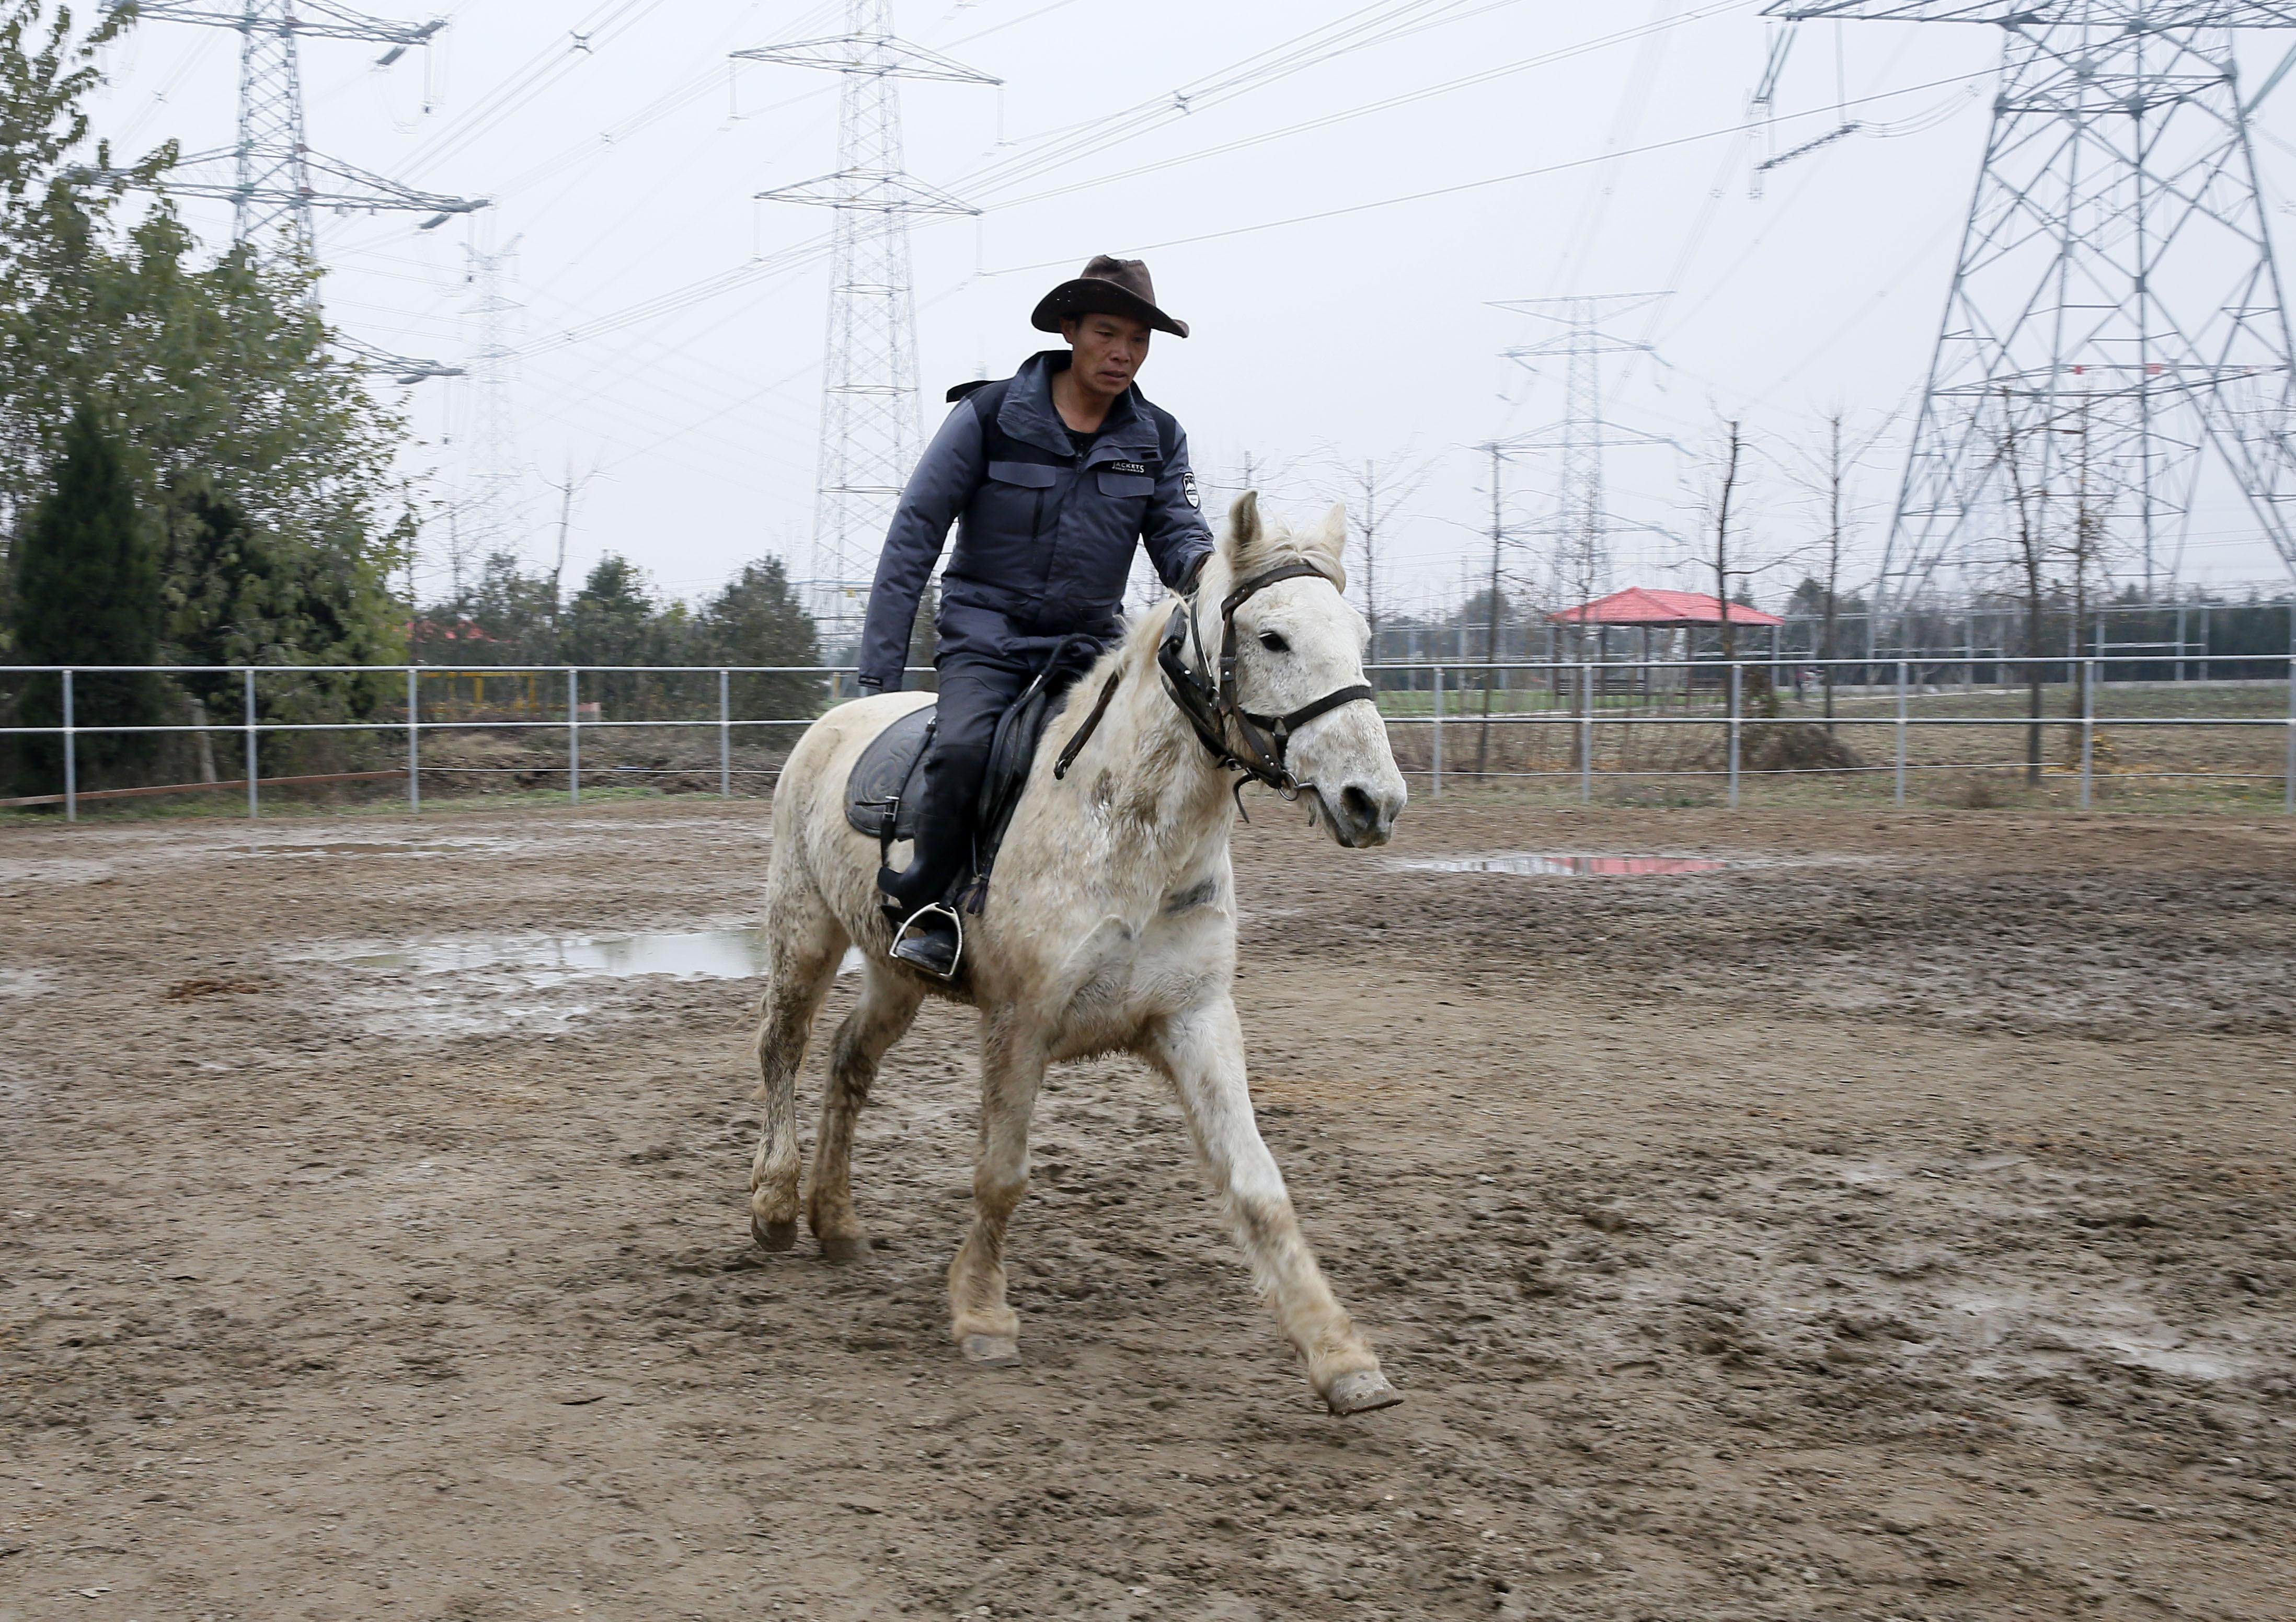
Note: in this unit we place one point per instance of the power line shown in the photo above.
(1357, 30)
(1471, 186)
(721, 283)
(1387, 103)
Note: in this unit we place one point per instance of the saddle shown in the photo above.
(879, 801)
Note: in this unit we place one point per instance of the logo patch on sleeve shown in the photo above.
(1188, 489)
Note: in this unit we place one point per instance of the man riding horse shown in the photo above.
(1053, 475)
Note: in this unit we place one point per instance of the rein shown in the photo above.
(1240, 739)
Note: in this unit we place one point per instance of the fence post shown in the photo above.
(1437, 728)
(1586, 734)
(725, 736)
(71, 756)
(254, 807)
(2088, 729)
(414, 741)
(574, 738)
(1734, 734)
(1900, 795)
(2288, 791)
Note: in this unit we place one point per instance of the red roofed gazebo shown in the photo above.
(1654, 610)
(1648, 610)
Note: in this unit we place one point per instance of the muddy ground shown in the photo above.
(1898, 1226)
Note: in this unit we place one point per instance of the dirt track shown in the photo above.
(1898, 1226)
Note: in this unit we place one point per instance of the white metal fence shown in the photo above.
(1433, 703)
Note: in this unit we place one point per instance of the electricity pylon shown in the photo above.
(1583, 525)
(270, 176)
(2115, 266)
(492, 513)
(870, 420)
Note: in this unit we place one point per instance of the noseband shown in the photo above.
(1239, 739)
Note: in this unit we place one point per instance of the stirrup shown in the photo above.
(920, 958)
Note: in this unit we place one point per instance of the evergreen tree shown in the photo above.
(515, 613)
(756, 619)
(614, 620)
(507, 616)
(235, 593)
(87, 591)
(218, 585)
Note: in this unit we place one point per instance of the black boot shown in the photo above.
(933, 939)
(926, 931)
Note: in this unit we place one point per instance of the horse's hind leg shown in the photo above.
(803, 942)
(889, 1003)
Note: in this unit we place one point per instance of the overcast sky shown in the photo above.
(1337, 235)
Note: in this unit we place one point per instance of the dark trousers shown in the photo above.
(974, 694)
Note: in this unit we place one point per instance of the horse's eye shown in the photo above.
(1273, 643)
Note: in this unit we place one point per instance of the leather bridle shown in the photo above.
(1240, 739)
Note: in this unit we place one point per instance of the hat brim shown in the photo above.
(1094, 296)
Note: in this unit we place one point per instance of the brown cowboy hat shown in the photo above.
(1108, 287)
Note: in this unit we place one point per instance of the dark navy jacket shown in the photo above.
(1046, 539)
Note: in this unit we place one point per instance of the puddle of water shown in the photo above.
(368, 847)
(2043, 1327)
(1532, 864)
(527, 982)
(2190, 1365)
(336, 848)
(55, 870)
(541, 960)
(719, 954)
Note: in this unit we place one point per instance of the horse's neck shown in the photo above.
(1149, 775)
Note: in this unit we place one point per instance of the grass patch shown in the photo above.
(234, 807)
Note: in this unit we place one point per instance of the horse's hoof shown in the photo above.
(991, 1351)
(844, 1249)
(772, 1236)
(1360, 1393)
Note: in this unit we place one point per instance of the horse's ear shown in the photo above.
(1329, 544)
(1244, 531)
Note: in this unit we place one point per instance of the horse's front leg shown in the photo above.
(1011, 1069)
(1200, 1053)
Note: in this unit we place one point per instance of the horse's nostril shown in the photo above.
(1361, 809)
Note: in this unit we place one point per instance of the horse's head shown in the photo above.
(1298, 640)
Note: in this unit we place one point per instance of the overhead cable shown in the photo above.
(1474, 186)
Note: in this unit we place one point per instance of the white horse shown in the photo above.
(1109, 925)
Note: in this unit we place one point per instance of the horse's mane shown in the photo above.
(1273, 546)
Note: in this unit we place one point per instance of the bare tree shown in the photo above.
(1828, 473)
(1496, 604)
(1725, 553)
(2086, 548)
(2029, 556)
(1725, 492)
(1380, 489)
(568, 489)
(1835, 475)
